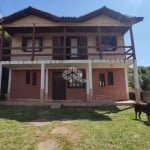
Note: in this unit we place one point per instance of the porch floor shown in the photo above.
(68, 102)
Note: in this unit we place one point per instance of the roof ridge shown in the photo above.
(102, 11)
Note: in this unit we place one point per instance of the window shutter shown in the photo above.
(97, 43)
(58, 43)
(24, 43)
(82, 41)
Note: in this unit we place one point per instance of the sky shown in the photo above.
(139, 8)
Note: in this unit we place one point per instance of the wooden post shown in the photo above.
(64, 43)
(135, 69)
(99, 42)
(33, 42)
(132, 43)
(1, 44)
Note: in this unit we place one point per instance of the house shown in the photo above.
(68, 59)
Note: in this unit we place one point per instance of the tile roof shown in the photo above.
(102, 11)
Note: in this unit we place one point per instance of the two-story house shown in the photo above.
(68, 59)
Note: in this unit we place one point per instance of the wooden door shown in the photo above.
(59, 86)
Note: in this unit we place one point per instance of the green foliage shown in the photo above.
(144, 74)
(144, 77)
(7, 38)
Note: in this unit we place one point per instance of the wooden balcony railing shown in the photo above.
(9, 52)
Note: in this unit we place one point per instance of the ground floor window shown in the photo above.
(110, 78)
(31, 77)
(102, 80)
(28, 77)
(106, 77)
(76, 83)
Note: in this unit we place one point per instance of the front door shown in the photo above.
(59, 86)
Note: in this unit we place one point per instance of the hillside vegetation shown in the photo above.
(144, 77)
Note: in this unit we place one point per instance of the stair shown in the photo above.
(56, 105)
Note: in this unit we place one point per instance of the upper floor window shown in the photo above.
(27, 44)
(108, 43)
(74, 50)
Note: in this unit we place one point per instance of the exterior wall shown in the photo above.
(76, 93)
(47, 42)
(17, 42)
(97, 21)
(71, 93)
(116, 91)
(92, 42)
(21, 90)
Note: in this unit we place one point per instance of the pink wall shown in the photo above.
(116, 91)
(19, 88)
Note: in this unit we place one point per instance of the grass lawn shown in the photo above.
(74, 128)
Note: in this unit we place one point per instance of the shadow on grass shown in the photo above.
(147, 123)
(32, 113)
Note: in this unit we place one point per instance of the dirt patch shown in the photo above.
(75, 135)
(41, 122)
(50, 144)
(60, 130)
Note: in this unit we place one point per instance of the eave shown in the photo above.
(102, 11)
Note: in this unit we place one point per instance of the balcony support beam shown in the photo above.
(1, 43)
(33, 42)
(64, 57)
(99, 42)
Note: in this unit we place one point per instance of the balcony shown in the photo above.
(111, 53)
(66, 47)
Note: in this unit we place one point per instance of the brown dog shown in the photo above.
(143, 107)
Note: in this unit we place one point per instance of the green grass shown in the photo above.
(91, 128)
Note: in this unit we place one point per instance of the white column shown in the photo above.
(46, 85)
(0, 77)
(42, 81)
(87, 84)
(136, 81)
(90, 81)
(9, 84)
(126, 82)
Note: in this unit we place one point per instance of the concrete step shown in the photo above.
(56, 105)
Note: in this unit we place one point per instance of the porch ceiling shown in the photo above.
(65, 64)
(60, 29)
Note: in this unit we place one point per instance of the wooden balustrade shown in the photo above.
(127, 53)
